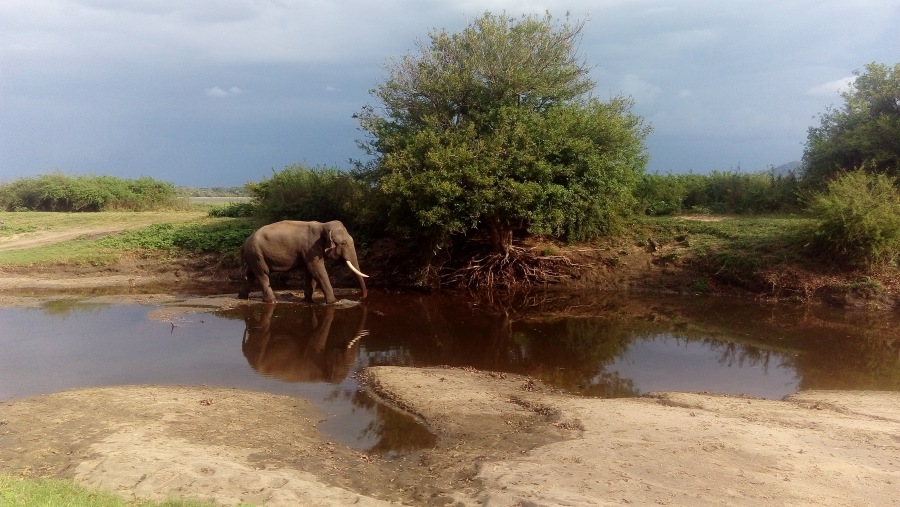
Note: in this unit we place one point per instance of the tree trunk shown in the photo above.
(501, 235)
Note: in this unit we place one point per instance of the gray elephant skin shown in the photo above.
(289, 244)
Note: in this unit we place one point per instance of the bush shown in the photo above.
(221, 237)
(859, 219)
(717, 192)
(302, 193)
(233, 210)
(58, 192)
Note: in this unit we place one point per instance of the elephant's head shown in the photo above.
(340, 248)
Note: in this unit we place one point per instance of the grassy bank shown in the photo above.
(15, 491)
(767, 255)
(761, 254)
(46, 238)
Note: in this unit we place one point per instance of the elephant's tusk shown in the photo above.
(358, 272)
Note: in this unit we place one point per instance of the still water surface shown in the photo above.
(595, 345)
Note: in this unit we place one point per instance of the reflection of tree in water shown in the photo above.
(838, 362)
(571, 353)
(302, 343)
(570, 342)
(732, 354)
(66, 307)
(392, 430)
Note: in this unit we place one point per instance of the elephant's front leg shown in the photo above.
(309, 285)
(318, 274)
(268, 294)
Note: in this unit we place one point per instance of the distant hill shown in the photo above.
(786, 169)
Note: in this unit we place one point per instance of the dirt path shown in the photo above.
(128, 221)
(44, 238)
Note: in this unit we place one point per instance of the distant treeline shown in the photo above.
(330, 193)
(213, 191)
(60, 192)
(718, 192)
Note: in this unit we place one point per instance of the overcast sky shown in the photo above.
(221, 92)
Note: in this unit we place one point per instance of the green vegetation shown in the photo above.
(208, 236)
(59, 192)
(98, 239)
(301, 193)
(233, 210)
(859, 219)
(19, 222)
(52, 493)
(865, 132)
(493, 130)
(718, 192)
(212, 191)
(740, 250)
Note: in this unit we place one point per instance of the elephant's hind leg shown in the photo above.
(244, 292)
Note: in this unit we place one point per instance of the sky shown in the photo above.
(223, 92)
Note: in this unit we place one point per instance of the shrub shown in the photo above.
(717, 192)
(233, 210)
(59, 192)
(302, 193)
(859, 219)
(220, 237)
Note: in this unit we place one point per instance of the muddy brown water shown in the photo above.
(608, 345)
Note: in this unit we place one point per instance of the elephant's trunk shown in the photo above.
(359, 276)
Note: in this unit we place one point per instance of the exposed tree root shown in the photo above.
(518, 268)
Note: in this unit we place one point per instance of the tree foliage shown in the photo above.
(298, 192)
(865, 131)
(492, 129)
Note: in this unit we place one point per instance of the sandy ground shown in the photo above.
(814, 448)
(502, 440)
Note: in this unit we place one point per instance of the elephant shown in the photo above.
(313, 345)
(282, 246)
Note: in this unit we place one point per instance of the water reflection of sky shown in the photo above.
(666, 363)
(312, 352)
(94, 346)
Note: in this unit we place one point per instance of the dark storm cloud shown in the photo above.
(222, 92)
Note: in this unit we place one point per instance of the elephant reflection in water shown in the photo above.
(308, 346)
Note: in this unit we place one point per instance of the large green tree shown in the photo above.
(863, 133)
(493, 129)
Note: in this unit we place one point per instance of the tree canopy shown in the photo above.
(864, 133)
(493, 129)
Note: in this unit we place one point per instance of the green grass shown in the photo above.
(145, 233)
(12, 222)
(216, 235)
(15, 492)
(78, 252)
(737, 248)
